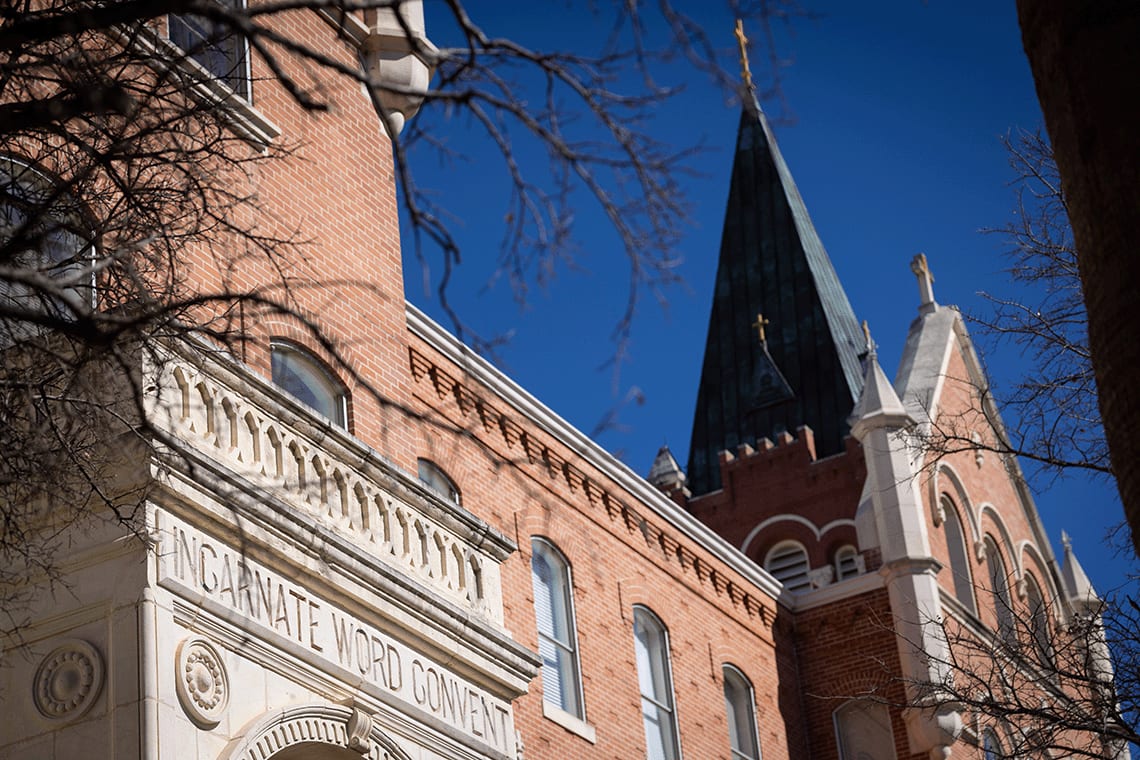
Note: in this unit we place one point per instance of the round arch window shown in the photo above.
(300, 374)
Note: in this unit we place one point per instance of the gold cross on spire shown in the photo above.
(760, 324)
(919, 266)
(745, 71)
(921, 270)
(867, 336)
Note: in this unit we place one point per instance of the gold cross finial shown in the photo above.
(921, 270)
(760, 324)
(919, 266)
(867, 336)
(745, 71)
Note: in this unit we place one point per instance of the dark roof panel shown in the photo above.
(772, 262)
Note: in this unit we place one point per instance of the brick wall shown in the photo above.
(622, 553)
(785, 480)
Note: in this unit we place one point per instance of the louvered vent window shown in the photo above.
(788, 562)
(846, 562)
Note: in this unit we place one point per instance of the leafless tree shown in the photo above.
(1081, 60)
(1051, 413)
(129, 216)
(1046, 679)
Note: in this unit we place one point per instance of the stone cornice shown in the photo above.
(838, 591)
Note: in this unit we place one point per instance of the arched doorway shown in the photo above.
(315, 732)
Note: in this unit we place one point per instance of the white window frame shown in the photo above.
(655, 682)
(740, 707)
(305, 360)
(562, 692)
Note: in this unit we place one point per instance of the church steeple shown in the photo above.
(772, 262)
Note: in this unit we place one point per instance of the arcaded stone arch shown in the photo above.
(315, 732)
(946, 480)
(1033, 561)
(816, 531)
(1006, 539)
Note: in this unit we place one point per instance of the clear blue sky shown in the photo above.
(896, 110)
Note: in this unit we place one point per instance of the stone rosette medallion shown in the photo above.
(68, 680)
(201, 681)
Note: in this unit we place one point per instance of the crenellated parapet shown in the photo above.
(780, 490)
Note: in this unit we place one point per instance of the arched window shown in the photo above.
(222, 53)
(41, 235)
(999, 585)
(991, 747)
(959, 557)
(1038, 620)
(437, 480)
(847, 563)
(788, 563)
(651, 642)
(299, 373)
(740, 705)
(863, 731)
(557, 637)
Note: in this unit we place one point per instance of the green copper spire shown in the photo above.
(772, 263)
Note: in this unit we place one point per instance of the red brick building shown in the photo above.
(512, 590)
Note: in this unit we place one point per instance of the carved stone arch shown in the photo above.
(791, 518)
(1003, 533)
(952, 484)
(1042, 572)
(321, 731)
(1047, 581)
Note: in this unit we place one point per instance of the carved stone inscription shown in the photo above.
(194, 564)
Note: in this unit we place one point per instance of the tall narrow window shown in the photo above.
(41, 240)
(557, 637)
(651, 641)
(214, 45)
(299, 373)
(991, 747)
(788, 562)
(959, 558)
(863, 730)
(1038, 620)
(999, 585)
(739, 703)
(437, 480)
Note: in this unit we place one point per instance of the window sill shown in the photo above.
(571, 723)
(245, 120)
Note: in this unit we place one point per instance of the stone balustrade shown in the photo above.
(245, 432)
